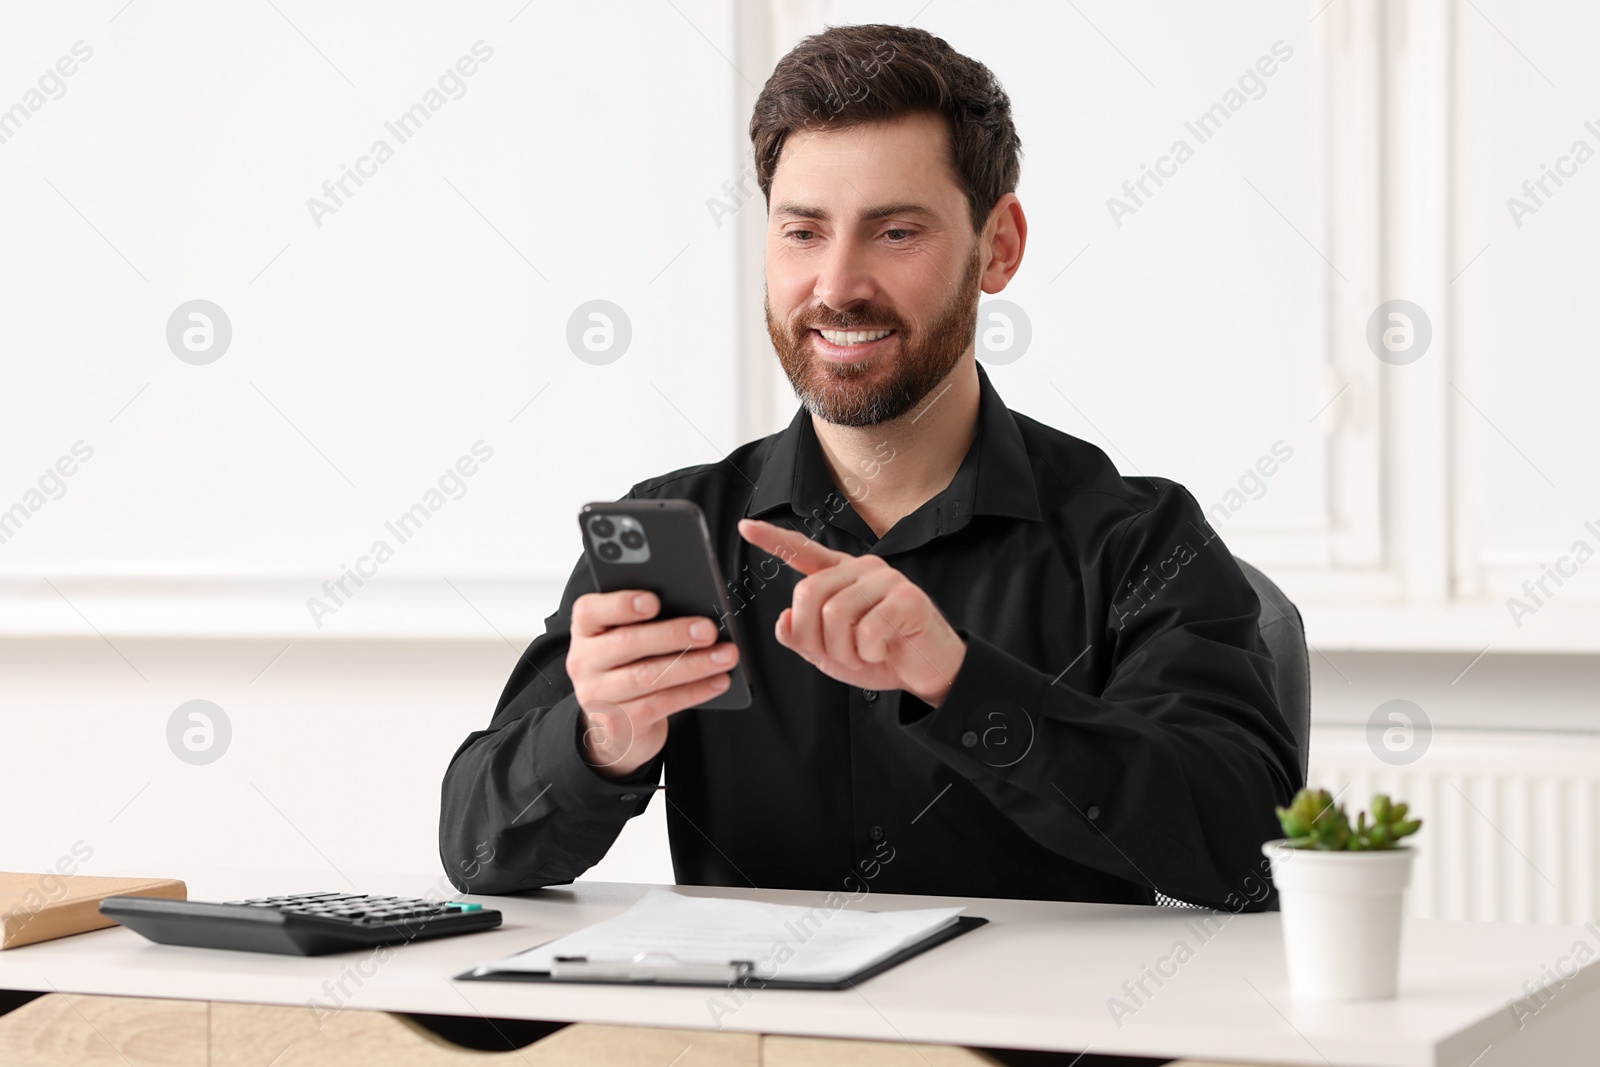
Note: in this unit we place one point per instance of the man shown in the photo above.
(983, 662)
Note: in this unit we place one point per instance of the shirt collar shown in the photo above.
(995, 476)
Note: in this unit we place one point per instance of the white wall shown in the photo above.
(371, 347)
(334, 765)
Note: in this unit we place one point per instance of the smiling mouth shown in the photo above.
(845, 338)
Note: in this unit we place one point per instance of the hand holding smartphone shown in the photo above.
(631, 668)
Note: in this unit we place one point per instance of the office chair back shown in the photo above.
(1284, 634)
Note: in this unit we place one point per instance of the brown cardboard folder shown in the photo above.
(38, 907)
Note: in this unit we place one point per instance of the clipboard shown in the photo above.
(667, 970)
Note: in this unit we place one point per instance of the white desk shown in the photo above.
(1039, 975)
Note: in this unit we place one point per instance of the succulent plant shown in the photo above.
(1312, 820)
(1389, 824)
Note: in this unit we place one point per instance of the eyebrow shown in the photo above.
(883, 211)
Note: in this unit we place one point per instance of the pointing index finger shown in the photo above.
(791, 546)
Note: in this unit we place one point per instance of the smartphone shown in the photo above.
(664, 546)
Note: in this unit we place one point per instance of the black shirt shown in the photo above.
(1113, 729)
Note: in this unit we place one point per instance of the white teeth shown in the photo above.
(853, 337)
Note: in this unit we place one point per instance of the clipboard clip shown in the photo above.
(648, 967)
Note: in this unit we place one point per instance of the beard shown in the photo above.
(874, 390)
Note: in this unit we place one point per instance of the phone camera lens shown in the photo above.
(610, 551)
(603, 527)
(632, 539)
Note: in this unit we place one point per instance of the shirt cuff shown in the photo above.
(575, 785)
(984, 716)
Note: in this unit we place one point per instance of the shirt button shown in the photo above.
(969, 739)
(869, 695)
(635, 796)
(1093, 812)
(876, 833)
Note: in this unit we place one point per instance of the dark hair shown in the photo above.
(850, 75)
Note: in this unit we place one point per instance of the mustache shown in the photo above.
(853, 321)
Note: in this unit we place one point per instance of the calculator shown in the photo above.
(300, 924)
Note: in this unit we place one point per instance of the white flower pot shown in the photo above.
(1341, 919)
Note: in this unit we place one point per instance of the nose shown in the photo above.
(844, 278)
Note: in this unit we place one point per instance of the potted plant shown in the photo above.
(1340, 890)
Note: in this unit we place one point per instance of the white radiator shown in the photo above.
(1510, 820)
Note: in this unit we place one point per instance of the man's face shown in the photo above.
(873, 270)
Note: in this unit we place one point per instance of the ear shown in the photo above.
(1002, 242)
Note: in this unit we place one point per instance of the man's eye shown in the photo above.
(798, 234)
(898, 236)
